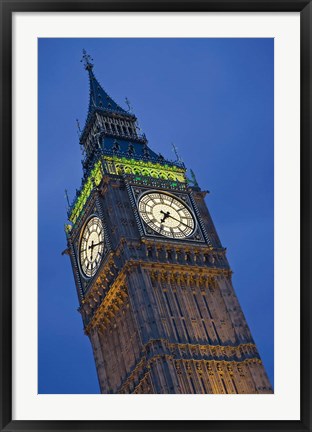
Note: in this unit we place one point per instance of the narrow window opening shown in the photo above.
(197, 305)
(186, 331)
(206, 332)
(179, 307)
(224, 386)
(217, 335)
(192, 384)
(207, 307)
(234, 385)
(176, 330)
(168, 303)
(203, 384)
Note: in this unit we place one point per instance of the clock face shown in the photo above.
(91, 246)
(166, 215)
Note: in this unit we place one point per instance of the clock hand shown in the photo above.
(179, 221)
(91, 247)
(95, 244)
(167, 215)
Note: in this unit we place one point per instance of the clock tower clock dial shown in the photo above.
(91, 246)
(166, 215)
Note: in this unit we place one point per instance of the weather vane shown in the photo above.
(87, 60)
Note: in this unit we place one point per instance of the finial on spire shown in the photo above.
(78, 125)
(67, 199)
(128, 105)
(87, 59)
(78, 128)
(175, 149)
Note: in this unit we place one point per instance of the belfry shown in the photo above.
(152, 277)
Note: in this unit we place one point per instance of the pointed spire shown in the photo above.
(86, 59)
(78, 127)
(193, 178)
(128, 105)
(67, 198)
(175, 150)
(99, 99)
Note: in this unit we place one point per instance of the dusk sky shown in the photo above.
(212, 98)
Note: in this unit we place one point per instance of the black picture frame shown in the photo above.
(7, 9)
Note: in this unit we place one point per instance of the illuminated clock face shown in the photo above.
(166, 215)
(91, 246)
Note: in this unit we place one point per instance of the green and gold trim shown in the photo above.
(123, 166)
(119, 166)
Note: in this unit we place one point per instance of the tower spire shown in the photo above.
(99, 99)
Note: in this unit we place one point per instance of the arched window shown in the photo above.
(119, 169)
(128, 170)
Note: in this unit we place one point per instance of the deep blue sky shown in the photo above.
(214, 99)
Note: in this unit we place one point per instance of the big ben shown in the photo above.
(153, 281)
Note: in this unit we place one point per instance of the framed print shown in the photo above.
(132, 297)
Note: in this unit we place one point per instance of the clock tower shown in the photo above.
(152, 278)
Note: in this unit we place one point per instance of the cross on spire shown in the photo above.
(86, 60)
